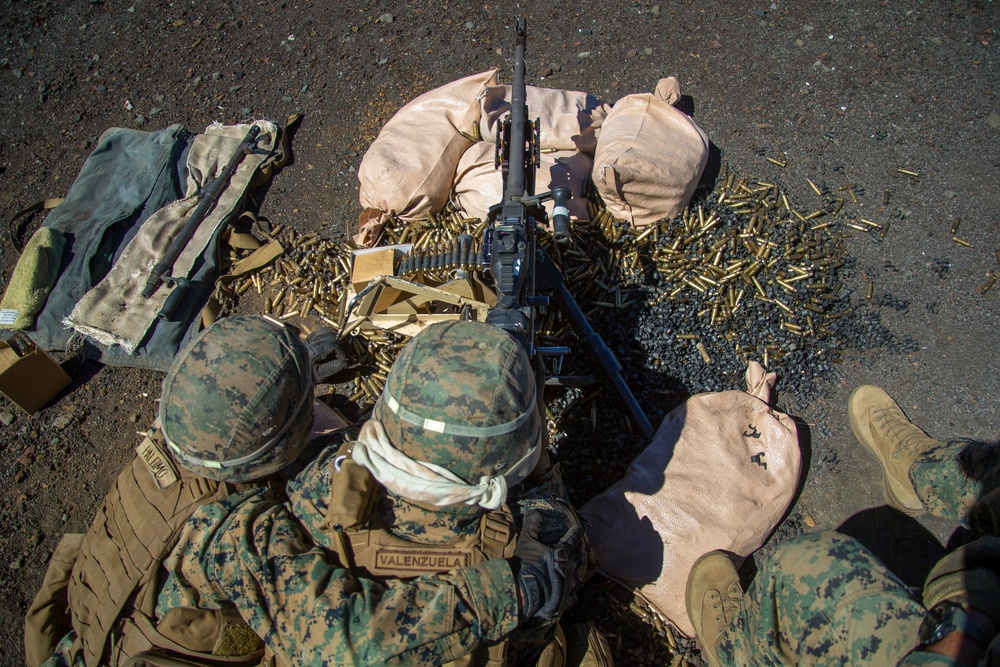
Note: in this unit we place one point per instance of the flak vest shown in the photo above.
(113, 586)
(370, 551)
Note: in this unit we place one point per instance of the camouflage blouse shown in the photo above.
(250, 550)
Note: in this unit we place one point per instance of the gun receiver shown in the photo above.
(523, 274)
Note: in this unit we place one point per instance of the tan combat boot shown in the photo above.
(880, 425)
(713, 600)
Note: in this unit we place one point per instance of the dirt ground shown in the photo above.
(839, 92)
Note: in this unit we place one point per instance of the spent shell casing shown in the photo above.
(961, 242)
(739, 299)
(785, 286)
(815, 188)
(989, 284)
(778, 163)
(703, 351)
(907, 172)
(870, 290)
(954, 225)
(645, 233)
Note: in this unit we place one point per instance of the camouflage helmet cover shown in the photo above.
(462, 395)
(237, 401)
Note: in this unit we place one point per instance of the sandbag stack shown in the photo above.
(643, 155)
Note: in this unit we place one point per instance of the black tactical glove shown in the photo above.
(549, 562)
(326, 354)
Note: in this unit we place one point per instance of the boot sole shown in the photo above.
(890, 495)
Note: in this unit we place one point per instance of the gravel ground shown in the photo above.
(846, 92)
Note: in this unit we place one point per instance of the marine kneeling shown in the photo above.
(423, 542)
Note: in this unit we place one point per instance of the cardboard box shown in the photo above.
(28, 375)
(370, 263)
(406, 307)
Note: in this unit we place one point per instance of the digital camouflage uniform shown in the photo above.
(823, 599)
(951, 478)
(311, 609)
(290, 568)
(236, 405)
(249, 550)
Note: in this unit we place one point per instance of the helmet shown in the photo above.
(462, 396)
(237, 401)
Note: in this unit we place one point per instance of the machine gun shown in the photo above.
(523, 275)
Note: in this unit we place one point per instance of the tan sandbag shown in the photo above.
(569, 120)
(479, 185)
(649, 157)
(668, 89)
(409, 168)
(720, 473)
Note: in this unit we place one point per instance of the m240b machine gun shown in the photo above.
(524, 276)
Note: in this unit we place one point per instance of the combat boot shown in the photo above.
(713, 600)
(880, 425)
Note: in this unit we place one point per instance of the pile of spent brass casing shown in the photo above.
(742, 260)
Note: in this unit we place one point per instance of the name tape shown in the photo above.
(420, 561)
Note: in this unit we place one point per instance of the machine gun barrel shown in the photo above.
(515, 185)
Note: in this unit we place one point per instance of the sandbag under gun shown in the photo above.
(209, 196)
(523, 275)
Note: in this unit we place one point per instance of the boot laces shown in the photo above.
(895, 426)
(730, 601)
